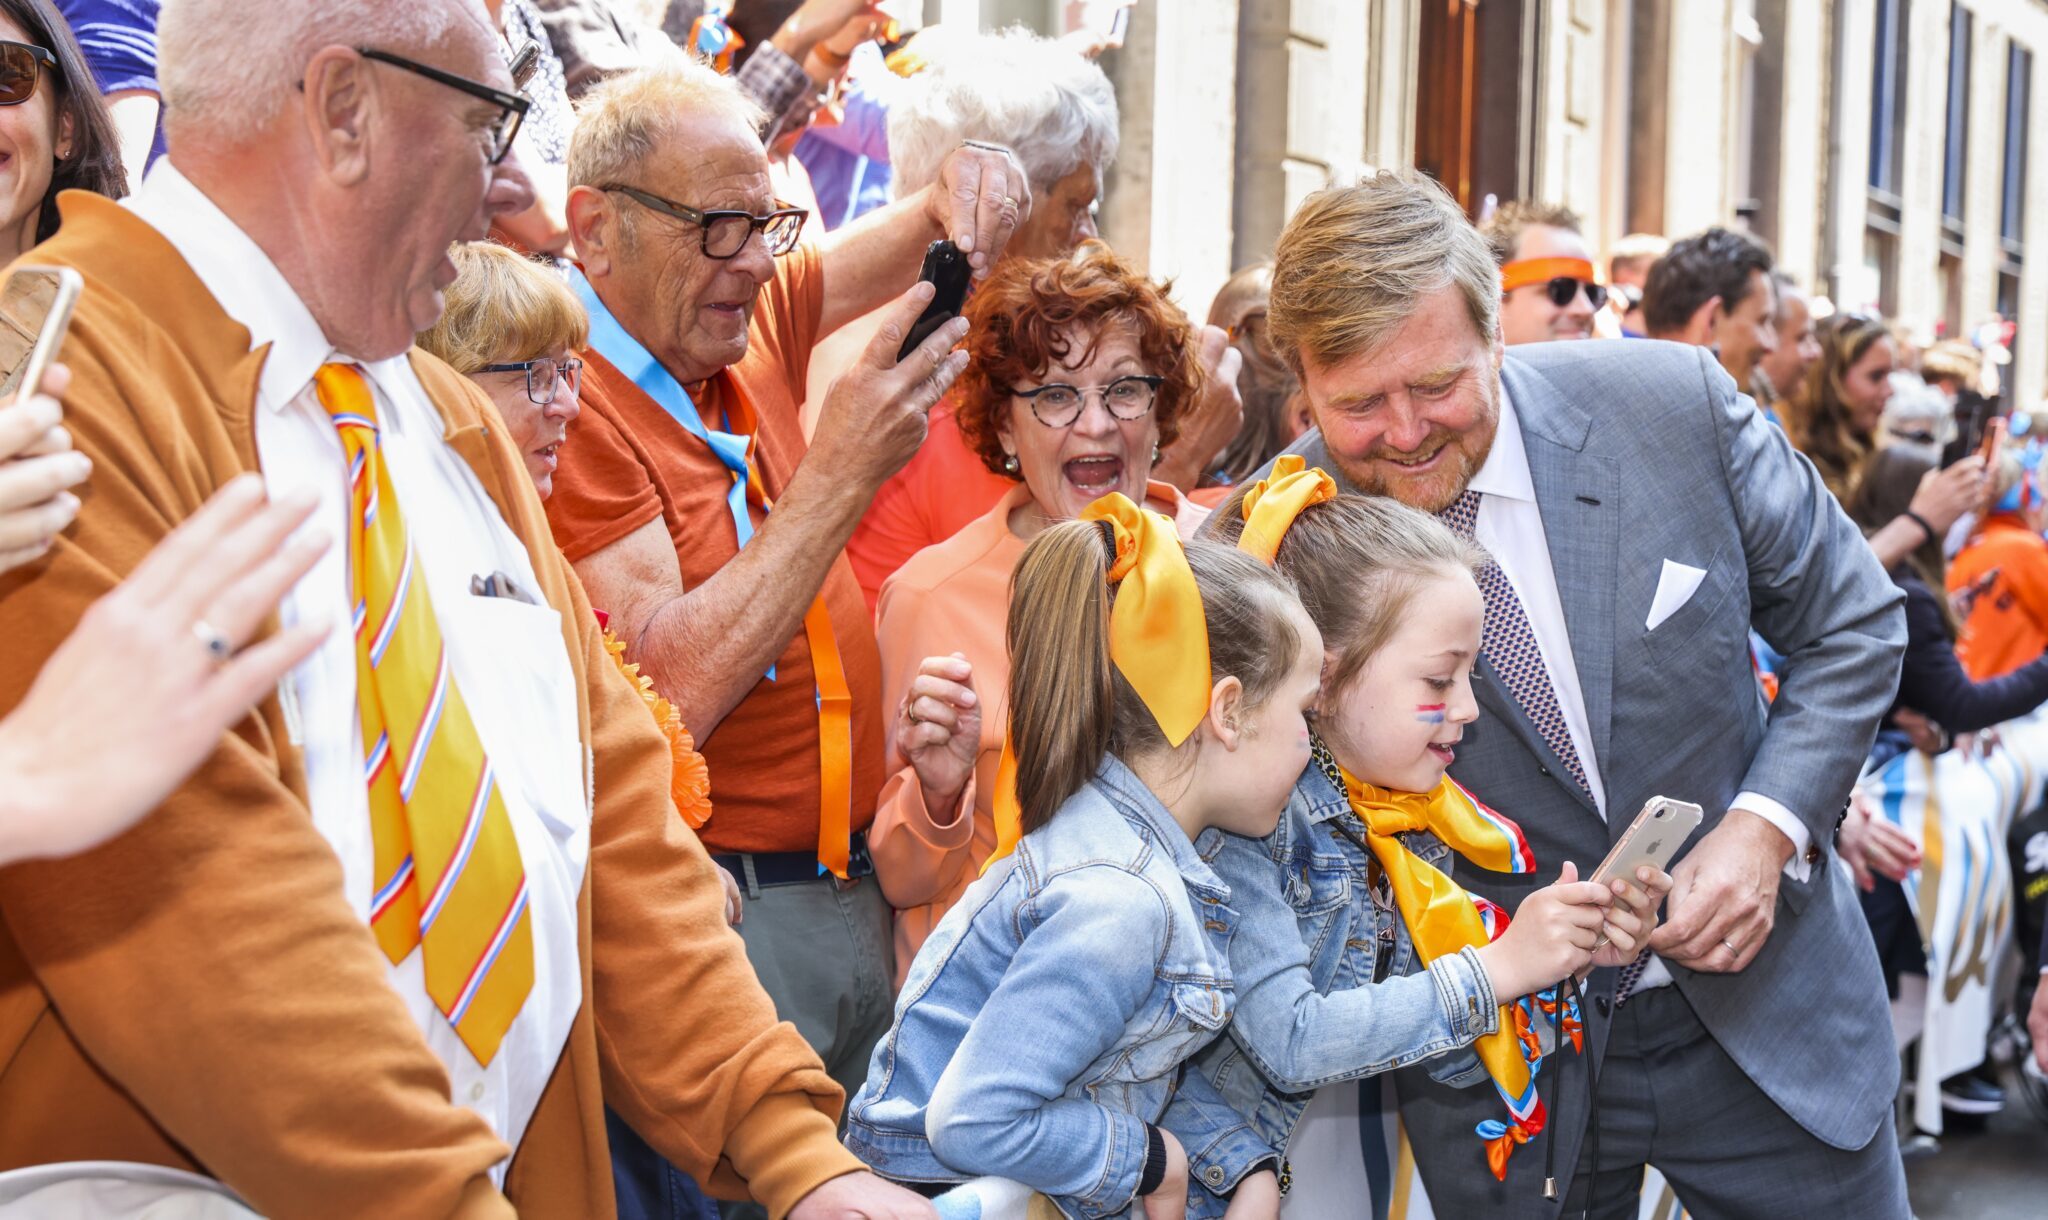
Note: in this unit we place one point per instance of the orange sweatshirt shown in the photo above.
(954, 597)
(2003, 572)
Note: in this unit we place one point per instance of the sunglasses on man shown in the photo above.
(1562, 279)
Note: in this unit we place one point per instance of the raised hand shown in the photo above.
(982, 195)
(1552, 936)
(938, 729)
(158, 665)
(873, 419)
(1214, 418)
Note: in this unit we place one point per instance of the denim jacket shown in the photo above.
(1308, 943)
(1045, 1020)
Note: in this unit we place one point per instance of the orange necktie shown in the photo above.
(447, 871)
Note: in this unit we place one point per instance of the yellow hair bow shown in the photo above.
(1158, 636)
(1276, 500)
(1158, 640)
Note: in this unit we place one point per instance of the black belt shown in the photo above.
(795, 867)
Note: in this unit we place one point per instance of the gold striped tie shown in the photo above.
(448, 876)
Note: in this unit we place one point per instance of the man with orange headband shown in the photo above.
(1547, 286)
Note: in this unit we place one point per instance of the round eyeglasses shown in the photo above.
(724, 231)
(1058, 405)
(544, 377)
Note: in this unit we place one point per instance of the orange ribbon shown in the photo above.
(1500, 1147)
(828, 671)
(1527, 271)
(1276, 500)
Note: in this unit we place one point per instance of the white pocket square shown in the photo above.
(1675, 587)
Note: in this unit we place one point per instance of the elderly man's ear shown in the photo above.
(340, 102)
(593, 230)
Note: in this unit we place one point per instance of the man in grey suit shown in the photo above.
(1643, 517)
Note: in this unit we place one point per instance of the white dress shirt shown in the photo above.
(506, 655)
(1510, 527)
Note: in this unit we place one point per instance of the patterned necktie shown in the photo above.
(448, 877)
(1507, 641)
(1510, 645)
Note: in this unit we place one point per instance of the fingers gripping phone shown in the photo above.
(947, 271)
(1653, 838)
(35, 314)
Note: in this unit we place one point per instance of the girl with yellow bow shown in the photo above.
(1358, 952)
(1158, 704)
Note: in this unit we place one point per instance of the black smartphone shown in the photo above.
(946, 270)
(1973, 413)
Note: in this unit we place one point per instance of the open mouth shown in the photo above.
(1445, 753)
(1096, 475)
(548, 453)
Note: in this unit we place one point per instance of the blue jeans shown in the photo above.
(648, 1187)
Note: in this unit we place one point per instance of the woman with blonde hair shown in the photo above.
(512, 326)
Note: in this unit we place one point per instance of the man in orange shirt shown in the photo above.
(2000, 580)
(700, 521)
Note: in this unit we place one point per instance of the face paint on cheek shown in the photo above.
(1430, 713)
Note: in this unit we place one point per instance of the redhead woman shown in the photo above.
(1080, 370)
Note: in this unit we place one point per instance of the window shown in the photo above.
(1956, 147)
(1888, 96)
(2019, 71)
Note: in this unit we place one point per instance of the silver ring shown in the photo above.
(985, 146)
(1731, 948)
(216, 644)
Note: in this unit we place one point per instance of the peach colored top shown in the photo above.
(952, 597)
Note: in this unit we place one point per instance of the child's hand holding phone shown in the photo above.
(1553, 935)
(1633, 916)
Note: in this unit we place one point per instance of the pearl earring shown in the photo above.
(1010, 464)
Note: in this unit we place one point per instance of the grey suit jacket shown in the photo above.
(1642, 452)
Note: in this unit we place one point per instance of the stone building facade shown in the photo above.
(1882, 147)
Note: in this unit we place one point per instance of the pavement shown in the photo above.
(1998, 1173)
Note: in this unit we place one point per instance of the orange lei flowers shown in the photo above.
(690, 782)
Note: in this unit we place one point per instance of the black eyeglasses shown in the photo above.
(512, 106)
(1563, 290)
(725, 231)
(1058, 405)
(21, 66)
(543, 377)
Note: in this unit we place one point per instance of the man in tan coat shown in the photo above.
(206, 992)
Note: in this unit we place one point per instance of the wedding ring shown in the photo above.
(216, 644)
(1009, 201)
(1731, 948)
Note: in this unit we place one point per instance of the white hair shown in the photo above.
(226, 66)
(1047, 103)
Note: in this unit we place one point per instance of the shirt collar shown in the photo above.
(1506, 470)
(242, 278)
(1137, 802)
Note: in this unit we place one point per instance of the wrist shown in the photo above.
(23, 803)
(1501, 973)
(1154, 1172)
(1758, 829)
(1926, 527)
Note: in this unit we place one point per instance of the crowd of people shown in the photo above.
(486, 502)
